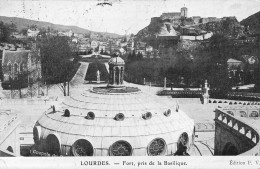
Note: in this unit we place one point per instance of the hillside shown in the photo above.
(229, 26)
(253, 22)
(22, 23)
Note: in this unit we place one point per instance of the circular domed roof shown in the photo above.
(116, 61)
(105, 122)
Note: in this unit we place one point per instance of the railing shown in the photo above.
(5, 153)
(180, 93)
(233, 102)
(242, 128)
(29, 101)
(244, 96)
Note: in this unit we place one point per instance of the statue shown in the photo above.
(164, 86)
(206, 93)
(98, 76)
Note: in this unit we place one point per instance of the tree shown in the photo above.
(102, 51)
(219, 48)
(24, 31)
(257, 78)
(139, 56)
(55, 55)
(5, 32)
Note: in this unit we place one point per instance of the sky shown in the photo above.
(123, 16)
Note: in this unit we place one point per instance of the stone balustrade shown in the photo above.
(233, 102)
(240, 127)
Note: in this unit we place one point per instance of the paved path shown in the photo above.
(80, 75)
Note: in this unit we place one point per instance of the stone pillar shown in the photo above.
(114, 75)
(119, 76)
(122, 75)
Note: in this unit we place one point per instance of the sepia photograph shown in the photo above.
(142, 78)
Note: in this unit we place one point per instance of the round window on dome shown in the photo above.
(120, 148)
(243, 114)
(254, 114)
(120, 117)
(82, 147)
(167, 113)
(147, 116)
(157, 147)
(90, 116)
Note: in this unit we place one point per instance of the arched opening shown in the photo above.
(156, 147)
(53, 145)
(243, 114)
(82, 147)
(9, 67)
(10, 149)
(254, 114)
(230, 149)
(120, 148)
(182, 145)
(36, 134)
(21, 67)
(15, 68)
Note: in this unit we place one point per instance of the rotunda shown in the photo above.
(113, 120)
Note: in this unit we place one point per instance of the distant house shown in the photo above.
(234, 64)
(102, 46)
(94, 36)
(83, 47)
(141, 48)
(130, 46)
(94, 44)
(250, 40)
(170, 15)
(250, 59)
(74, 40)
(21, 62)
(69, 33)
(33, 32)
(196, 19)
(17, 35)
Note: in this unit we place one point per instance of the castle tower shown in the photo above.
(116, 72)
(184, 12)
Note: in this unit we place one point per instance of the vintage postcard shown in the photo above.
(170, 83)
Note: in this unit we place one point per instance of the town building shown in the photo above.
(19, 65)
(184, 12)
(102, 46)
(33, 32)
(174, 15)
(94, 44)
